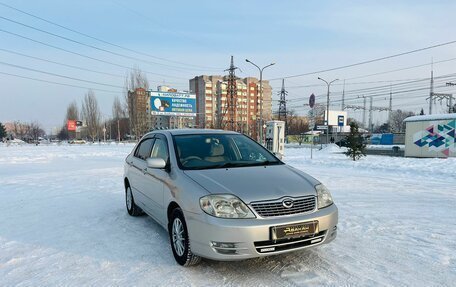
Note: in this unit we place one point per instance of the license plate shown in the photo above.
(294, 230)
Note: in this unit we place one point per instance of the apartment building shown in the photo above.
(213, 110)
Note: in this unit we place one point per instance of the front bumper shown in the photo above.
(237, 239)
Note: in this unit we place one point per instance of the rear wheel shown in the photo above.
(132, 208)
(179, 240)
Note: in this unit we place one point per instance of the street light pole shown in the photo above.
(261, 96)
(327, 107)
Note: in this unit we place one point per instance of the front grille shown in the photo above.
(277, 208)
(288, 244)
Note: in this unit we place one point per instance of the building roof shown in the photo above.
(436, 117)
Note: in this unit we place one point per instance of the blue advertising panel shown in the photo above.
(340, 121)
(172, 104)
(387, 139)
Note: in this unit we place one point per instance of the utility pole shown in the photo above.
(261, 96)
(390, 111)
(231, 95)
(452, 109)
(118, 129)
(431, 94)
(283, 106)
(370, 114)
(327, 106)
(343, 98)
(364, 111)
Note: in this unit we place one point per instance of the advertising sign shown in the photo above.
(172, 104)
(340, 121)
(71, 125)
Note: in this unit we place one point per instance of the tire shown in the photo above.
(132, 208)
(180, 243)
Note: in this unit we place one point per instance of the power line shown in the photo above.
(92, 46)
(72, 66)
(401, 69)
(347, 84)
(377, 89)
(369, 61)
(103, 41)
(403, 96)
(58, 83)
(62, 64)
(58, 75)
(84, 56)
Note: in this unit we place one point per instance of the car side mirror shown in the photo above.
(278, 155)
(156, 162)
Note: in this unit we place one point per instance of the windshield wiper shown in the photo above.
(266, 162)
(235, 164)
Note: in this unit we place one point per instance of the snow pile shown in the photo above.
(63, 222)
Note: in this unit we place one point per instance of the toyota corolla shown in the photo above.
(223, 196)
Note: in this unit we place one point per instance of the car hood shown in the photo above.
(255, 183)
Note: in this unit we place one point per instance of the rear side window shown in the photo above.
(143, 150)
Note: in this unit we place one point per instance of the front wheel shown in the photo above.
(179, 240)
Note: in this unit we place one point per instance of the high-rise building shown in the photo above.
(138, 111)
(213, 108)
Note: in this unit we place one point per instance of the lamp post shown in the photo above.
(327, 107)
(261, 95)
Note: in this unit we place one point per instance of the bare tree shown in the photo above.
(118, 111)
(134, 80)
(91, 114)
(119, 123)
(72, 112)
(36, 131)
(21, 130)
(397, 120)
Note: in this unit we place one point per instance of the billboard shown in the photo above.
(337, 118)
(71, 125)
(430, 136)
(172, 104)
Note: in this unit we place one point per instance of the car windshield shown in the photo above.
(209, 151)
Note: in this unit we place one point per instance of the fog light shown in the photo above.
(227, 245)
(226, 248)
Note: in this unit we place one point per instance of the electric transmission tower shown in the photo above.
(231, 98)
(283, 106)
(370, 109)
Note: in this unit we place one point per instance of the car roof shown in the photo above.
(192, 131)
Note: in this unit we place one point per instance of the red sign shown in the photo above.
(71, 125)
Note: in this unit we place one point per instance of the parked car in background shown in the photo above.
(223, 196)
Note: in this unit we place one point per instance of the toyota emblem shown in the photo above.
(287, 203)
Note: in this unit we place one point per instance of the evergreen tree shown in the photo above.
(422, 112)
(356, 146)
(2, 131)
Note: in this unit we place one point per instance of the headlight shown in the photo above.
(324, 197)
(225, 206)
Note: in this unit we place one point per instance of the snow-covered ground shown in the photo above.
(63, 222)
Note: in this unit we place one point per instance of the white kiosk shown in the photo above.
(275, 137)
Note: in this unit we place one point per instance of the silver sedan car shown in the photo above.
(223, 196)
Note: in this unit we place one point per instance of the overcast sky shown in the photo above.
(182, 39)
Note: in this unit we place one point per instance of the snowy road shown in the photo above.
(63, 222)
